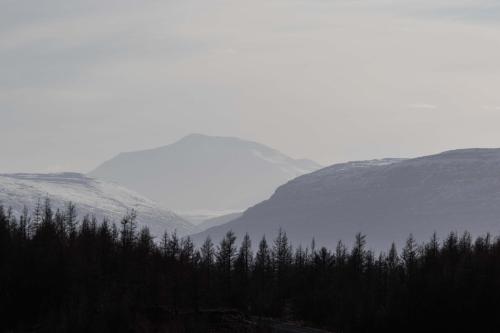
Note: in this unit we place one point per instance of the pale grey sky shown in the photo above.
(334, 80)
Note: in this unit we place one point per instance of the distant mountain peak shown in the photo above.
(205, 173)
(195, 137)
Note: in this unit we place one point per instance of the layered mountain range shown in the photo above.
(385, 199)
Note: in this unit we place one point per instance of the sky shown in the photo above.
(330, 80)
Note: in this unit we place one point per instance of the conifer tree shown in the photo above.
(207, 252)
(70, 216)
(164, 243)
(409, 254)
(226, 254)
(187, 250)
(263, 257)
(128, 231)
(173, 246)
(282, 255)
(145, 241)
(392, 258)
(244, 260)
(358, 253)
(37, 217)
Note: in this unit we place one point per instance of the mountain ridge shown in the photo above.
(385, 199)
(205, 173)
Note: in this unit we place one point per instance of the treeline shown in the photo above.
(58, 274)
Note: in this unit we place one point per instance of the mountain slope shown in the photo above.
(91, 196)
(204, 173)
(385, 199)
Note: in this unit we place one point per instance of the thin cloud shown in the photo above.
(423, 106)
(492, 108)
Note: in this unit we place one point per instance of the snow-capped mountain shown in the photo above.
(384, 199)
(91, 196)
(205, 173)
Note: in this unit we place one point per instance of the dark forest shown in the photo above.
(62, 274)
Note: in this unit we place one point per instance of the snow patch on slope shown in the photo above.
(92, 196)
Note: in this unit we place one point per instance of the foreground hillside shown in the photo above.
(91, 196)
(385, 199)
(205, 173)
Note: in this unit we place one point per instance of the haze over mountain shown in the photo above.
(215, 221)
(205, 173)
(384, 199)
(91, 196)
